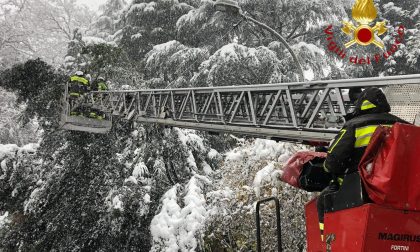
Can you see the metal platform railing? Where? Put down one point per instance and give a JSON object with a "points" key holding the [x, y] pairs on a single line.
{"points": [[309, 111], [78, 122]]}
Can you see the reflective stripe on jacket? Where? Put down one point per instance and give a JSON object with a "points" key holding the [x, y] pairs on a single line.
{"points": [[102, 86], [79, 79], [349, 145], [74, 94], [364, 134]]}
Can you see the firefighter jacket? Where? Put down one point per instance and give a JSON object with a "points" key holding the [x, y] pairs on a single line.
{"points": [[102, 86], [78, 85], [348, 147], [79, 80], [99, 86]]}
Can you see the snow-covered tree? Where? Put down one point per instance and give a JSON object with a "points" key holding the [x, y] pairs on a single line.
{"points": [[236, 64], [145, 186], [108, 25], [401, 17], [172, 64], [38, 28], [148, 23], [96, 57], [37, 86], [11, 129], [249, 173]]}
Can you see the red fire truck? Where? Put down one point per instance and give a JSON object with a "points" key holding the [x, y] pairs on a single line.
{"points": [[376, 208]]}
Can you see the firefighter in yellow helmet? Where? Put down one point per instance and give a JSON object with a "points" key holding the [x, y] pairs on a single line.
{"points": [[99, 85], [78, 86]]}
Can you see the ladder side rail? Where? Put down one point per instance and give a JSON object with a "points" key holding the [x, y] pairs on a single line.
{"points": [[344, 83], [304, 107]]}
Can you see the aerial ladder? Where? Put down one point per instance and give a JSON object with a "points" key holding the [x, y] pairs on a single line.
{"points": [[308, 112], [305, 112]]}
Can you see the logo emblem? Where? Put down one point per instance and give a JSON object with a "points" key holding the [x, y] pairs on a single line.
{"points": [[364, 12]]}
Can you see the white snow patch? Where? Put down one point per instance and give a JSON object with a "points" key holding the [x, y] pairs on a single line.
{"points": [[260, 149], [117, 35], [31, 204], [196, 140], [93, 40], [117, 204], [150, 7], [136, 36], [207, 168], [213, 154], [229, 51], [136, 7], [264, 176], [39, 182], [4, 220], [174, 228], [309, 48], [189, 137], [29, 148], [165, 47], [234, 156], [224, 197], [309, 74], [8, 150], [267, 148], [69, 59], [191, 161], [326, 70], [3, 165], [15, 192], [135, 134], [262, 153], [181, 136], [131, 179], [140, 169], [369, 168], [146, 198], [165, 224]]}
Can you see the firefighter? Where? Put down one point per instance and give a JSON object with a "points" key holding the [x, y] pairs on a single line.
{"points": [[78, 86], [98, 85], [346, 151]]}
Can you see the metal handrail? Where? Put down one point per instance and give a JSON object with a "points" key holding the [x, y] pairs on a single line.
{"points": [[278, 222]]}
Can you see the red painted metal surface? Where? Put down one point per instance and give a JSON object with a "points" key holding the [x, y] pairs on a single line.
{"points": [[392, 230], [313, 234], [369, 228], [348, 228]]}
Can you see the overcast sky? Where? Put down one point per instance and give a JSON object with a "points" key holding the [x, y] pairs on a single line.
{"points": [[93, 4]]}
